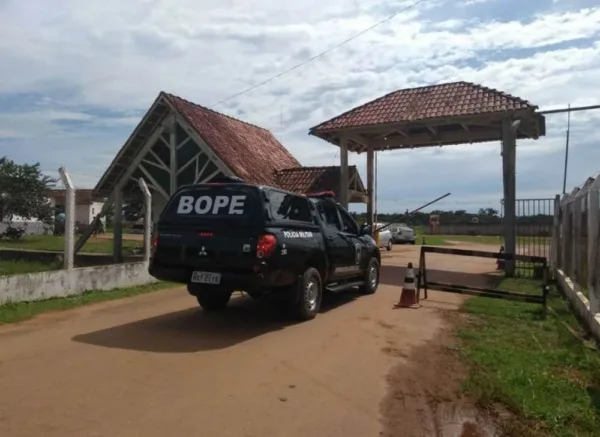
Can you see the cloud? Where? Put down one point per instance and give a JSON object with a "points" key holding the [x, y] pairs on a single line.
{"points": [[77, 76]]}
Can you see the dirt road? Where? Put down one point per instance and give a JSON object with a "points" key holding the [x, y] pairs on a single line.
{"points": [[156, 365]]}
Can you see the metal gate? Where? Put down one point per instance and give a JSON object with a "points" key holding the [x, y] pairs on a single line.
{"points": [[538, 264], [534, 232]]}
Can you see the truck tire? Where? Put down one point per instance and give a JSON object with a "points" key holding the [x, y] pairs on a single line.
{"points": [[371, 277], [309, 295], [389, 246], [213, 300]]}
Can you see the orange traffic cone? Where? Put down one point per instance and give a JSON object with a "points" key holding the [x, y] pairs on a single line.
{"points": [[408, 296]]}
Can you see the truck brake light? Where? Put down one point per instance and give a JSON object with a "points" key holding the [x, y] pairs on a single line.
{"points": [[154, 243], [265, 246]]}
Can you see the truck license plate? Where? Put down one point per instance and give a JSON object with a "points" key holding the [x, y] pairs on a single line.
{"points": [[206, 278]]}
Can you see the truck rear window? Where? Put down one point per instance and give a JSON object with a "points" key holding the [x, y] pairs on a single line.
{"points": [[286, 206], [220, 201]]}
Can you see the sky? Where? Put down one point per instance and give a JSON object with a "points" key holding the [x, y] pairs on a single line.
{"points": [[76, 77]]}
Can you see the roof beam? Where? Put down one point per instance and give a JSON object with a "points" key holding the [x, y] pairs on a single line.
{"points": [[149, 117], [153, 181], [438, 140], [203, 146], [357, 138]]}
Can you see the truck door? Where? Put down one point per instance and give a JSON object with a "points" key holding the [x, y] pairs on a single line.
{"points": [[336, 245], [355, 254], [343, 251]]}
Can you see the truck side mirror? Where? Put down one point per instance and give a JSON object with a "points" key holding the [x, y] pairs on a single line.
{"points": [[365, 229]]}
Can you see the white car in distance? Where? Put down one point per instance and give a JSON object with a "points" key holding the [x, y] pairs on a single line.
{"points": [[385, 236], [402, 233]]}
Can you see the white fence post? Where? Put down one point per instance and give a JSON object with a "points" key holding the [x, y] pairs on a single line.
{"points": [[577, 238], [593, 223], [564, 249], [573, 242], [147, 217], [69, 218], [555, 247]]}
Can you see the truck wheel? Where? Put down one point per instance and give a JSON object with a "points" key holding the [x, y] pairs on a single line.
{"points": [[389, 246], [371, 277], [310, 294], [213, 300]]}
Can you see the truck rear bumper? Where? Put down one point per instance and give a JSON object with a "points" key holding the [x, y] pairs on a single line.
{"points": [[264, 278]]}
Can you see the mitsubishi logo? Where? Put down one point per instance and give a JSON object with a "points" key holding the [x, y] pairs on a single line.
{"points": [[202, 252]]}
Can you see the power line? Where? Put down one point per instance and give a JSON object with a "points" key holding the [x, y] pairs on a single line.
{"points": [[320, 55]]}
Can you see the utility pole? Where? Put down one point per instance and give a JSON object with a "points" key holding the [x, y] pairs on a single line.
{"points": [[564, 190]]}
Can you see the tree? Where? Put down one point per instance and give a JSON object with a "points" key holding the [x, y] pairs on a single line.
{"points": [[133, 209], [24, 191], [491, 212], [488, 212]]}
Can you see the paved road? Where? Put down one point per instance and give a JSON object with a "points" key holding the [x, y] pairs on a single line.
{"points": [[156, 365]]}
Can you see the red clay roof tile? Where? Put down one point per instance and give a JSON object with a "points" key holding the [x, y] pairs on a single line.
{"points": [[251, 152], [435, 101], [306, 180]]}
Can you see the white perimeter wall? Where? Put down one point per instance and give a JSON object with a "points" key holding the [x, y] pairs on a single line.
{"points": [[61, 283]]}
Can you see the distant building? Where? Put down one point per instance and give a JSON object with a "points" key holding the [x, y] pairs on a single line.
{"points": [[87, 206]]}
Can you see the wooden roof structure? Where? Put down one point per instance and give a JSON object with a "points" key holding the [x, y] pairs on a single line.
{"points": [[249, 151], [436, 115]]}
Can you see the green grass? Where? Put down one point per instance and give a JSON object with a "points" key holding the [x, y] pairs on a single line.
{"points": [[430, 240], [19, 311], [433, 240], [482, 239], [57, 243], [20, 267], [497, 240], [534, 367]]}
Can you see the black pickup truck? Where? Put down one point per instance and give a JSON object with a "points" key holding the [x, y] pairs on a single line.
{"points": [[221, 237]]}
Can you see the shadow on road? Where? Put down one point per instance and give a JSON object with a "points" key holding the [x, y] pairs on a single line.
{"points": [[193, 330]]}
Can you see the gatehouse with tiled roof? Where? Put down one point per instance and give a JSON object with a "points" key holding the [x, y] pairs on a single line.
{"points": [[436, 115]]}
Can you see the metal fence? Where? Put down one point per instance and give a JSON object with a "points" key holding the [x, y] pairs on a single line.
{"points": [[534, 220], [576, 239]]}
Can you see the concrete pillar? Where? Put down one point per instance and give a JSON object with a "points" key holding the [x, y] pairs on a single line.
{"points": [[344, 182], [509, 153], [118, 226], [370, 185], [147, 218], [69, 254]]}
